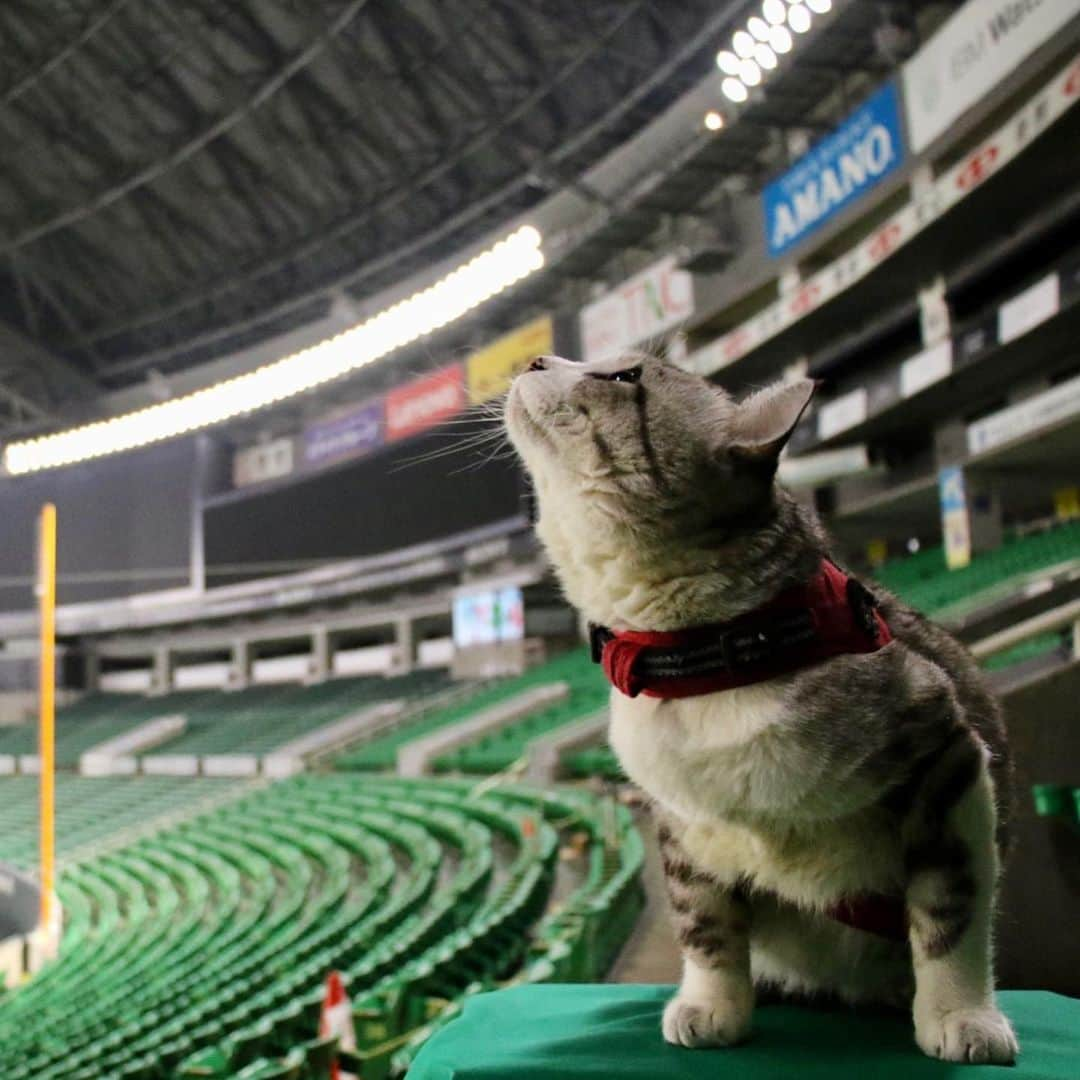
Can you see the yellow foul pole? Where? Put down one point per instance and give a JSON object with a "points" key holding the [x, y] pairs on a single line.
{"points": [[47, 703]]}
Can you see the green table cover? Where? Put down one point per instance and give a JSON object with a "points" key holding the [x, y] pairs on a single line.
{"points": [[589, 1032]]}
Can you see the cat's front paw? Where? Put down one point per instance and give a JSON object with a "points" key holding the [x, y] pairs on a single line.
{"points": [[980, 1036], [712, 1022]]}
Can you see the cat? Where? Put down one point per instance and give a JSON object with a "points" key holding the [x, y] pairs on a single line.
{"points": [[876, 773]]}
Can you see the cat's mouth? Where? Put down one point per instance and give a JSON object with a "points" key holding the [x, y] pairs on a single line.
{"points": [[521, 422]]}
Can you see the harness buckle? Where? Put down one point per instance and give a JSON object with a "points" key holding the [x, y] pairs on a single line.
{"points": [[750, 645], [863, 604], [599, 636]]}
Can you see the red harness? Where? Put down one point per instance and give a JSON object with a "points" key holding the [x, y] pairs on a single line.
{"points": [[831, 615]]}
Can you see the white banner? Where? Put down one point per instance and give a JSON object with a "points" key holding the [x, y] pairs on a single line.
{"points": [[660, 297], [262, 462], [984, 161], [1018, 421], [977, 48]]}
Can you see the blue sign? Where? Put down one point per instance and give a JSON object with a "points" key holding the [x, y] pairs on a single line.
{"points": [[866, 148], [345, 435]]}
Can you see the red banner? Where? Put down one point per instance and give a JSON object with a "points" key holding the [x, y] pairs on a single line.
{"points": [[425, 402]]}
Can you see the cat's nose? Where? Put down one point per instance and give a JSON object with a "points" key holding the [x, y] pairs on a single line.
{"points": [[538, 363]]}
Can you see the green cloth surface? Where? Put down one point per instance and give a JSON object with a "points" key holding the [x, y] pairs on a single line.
{"points": [[544, 1032]]}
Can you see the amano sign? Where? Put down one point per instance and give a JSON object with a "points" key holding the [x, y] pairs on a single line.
{"points": [[840, 169]]}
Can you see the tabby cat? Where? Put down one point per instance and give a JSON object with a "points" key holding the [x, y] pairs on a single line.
{"points": [[882, 773]]}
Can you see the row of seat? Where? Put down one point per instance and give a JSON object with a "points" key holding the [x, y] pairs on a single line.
{"points": [[202, 950], [95, 719], [924, 580], [380, 753], [91, 811]]}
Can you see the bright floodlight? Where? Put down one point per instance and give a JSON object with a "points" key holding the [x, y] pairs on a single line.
{"points": [[734, 90], [713, 120], [798, 18], [821, 7], [469, 285], [750, 73], [780, 40], [743, 43], [727, 62], [765, 58], [774, 11], [759, 28]]}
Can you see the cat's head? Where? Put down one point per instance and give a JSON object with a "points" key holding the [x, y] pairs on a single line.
{"points": [[647, 444]]}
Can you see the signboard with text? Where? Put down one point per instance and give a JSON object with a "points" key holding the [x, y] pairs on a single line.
{"points": [[978, 47], [650, 303], [491, 369], [344, 435], [835, 173], [425, 402]]}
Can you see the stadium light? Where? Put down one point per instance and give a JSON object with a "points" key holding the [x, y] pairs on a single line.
{"points": [[750, 73], [765, 58], [742, 41], [727, 62], [469, 285], [734, 90], [780, 39], [758, 27], [774, 11], [799, 18], [714, 121], [757, 47]]}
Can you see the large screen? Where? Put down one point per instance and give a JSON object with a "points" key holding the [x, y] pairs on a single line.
{"points": [[488, 617]]}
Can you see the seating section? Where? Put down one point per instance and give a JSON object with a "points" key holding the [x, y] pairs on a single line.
{"points": [[503, 748], [94, 719], [261, 718], [202, 950], [89, 812], [1057, 801], [380, 753], [924, 581]]}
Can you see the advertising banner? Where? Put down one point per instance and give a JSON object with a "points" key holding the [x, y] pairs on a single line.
{"points": [[955, 523], [424, 402], [262, 462], [978, 166], [491, 369], [981, 44], [835, 173], [649, 303], [344, 434]]}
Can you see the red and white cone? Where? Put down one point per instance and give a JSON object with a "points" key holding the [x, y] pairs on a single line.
{"points": [[336, 1019]]}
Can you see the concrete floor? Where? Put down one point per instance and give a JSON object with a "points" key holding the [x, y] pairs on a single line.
{"points": [[651, 955]]}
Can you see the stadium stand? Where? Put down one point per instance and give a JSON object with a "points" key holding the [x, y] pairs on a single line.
{"points": [[228, 921], [261, 718], [92, 720], [925, 581], [587, 693]]}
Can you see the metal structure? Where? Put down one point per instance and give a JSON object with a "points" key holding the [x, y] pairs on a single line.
{"points": [[171, 170], [182, 181]]}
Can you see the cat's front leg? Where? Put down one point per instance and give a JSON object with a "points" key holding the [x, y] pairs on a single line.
{"points": [[952, 875], [715, 1001]]}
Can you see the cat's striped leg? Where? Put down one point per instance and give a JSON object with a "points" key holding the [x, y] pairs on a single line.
{"points": [[952, 875], [716, 998]]}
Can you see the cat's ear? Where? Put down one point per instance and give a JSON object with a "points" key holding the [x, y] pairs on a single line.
{"points": [[764, 421]]}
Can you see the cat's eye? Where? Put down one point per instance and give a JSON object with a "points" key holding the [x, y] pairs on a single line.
{"points": [[627, 375]]}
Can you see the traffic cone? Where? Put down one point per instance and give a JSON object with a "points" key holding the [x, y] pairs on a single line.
{"points": [[336, 1019]]}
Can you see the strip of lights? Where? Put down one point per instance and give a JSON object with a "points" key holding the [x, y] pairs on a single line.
{"points": [[755, 50], [471, 284]]}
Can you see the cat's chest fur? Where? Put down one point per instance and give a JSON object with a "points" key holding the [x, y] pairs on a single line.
{"points": [[723, 763]]}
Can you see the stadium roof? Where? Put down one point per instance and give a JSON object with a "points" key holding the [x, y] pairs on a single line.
{"points": [[183, 181]]}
